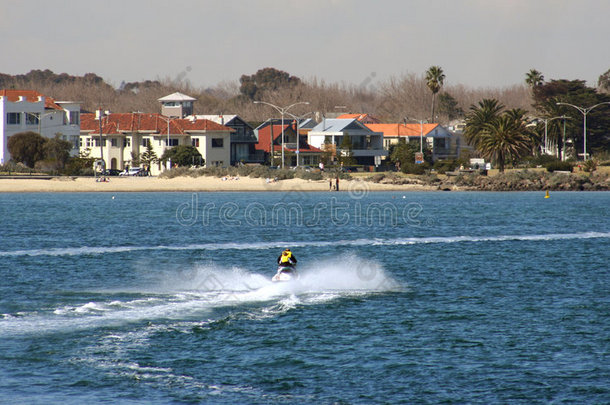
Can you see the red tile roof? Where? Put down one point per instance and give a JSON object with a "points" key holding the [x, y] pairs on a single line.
{"points": [[119, 123], [264, 139], [395, 130], [31, 96]]}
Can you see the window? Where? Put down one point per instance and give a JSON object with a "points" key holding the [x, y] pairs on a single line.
{"points": [[32, 118], [13, 118], [217, 142], [75, 117], [114, 142], [89, 143], [127, 142], [195, 142], [80, 142], [146, 142], [172, 142]]}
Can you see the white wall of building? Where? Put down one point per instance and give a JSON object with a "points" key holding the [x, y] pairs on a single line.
{"points": [[34, 117]]}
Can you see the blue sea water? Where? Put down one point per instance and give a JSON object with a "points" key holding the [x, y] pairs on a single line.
{"points": [[403, 298]]}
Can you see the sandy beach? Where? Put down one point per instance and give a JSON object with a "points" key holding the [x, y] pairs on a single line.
{"points": [[211, 184]]}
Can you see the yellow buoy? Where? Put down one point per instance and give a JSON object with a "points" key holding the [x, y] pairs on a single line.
{"points": [[547, 194]]}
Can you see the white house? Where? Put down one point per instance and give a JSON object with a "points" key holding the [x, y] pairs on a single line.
{"points": [[28, 110], [367, 145], [125, 136]]}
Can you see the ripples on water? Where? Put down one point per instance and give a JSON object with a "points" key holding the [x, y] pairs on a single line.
{"points": [[481, 297]]}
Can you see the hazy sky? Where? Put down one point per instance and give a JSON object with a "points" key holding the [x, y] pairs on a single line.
{"points": [[478, 43]]}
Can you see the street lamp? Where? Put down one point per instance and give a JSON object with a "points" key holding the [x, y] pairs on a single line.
{"points": [[167, 143], [584, 111], [546, 121], [421, 132], [281, 110], [297, 127]]}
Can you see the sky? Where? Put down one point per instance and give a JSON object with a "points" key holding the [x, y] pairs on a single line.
{"points": [[478, 43]]}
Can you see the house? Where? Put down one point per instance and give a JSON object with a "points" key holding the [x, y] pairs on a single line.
{"points": [[364, 118], [125, 136], [442, 142], [367, 145], [177, 105], [243, 139], [28, 110], [306, 154]]}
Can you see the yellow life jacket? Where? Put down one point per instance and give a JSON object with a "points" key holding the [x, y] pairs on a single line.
{"points": [[286, 257]]}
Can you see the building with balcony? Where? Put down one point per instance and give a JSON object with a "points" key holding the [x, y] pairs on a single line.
{"points": [[270, 142], [28, 110], [125, 137], [367, 145], [243, 138]]}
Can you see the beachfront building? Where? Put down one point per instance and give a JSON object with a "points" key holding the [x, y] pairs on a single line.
{"points": [[126, 136], [442, 142], [367, 145], [28, 110], [243, 138], [306, 154]]}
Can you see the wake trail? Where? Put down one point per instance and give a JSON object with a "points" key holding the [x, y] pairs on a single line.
{"points": [[195, 294], [95, 250]]}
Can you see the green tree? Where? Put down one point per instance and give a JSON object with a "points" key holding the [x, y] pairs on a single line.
{"points": [[577, 93], [58, 150], [503, 140], [267, 79], [182, 155], [448, 105], [534, 78], [149, 156], [434, 80], [603, 83], [478, 117], [26, 147], [80, 165]]}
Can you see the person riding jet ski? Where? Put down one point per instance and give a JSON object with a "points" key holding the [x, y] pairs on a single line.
{"points": [[286, 270], [287, 259]]}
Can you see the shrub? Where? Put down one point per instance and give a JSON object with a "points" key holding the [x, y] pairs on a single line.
{"points": [[590, 165], [412, 168], [558, 165], [443, 166], [309, 175]]}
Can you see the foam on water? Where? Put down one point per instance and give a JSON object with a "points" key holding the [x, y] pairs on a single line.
{"points": [[101, 250], [194, 293]]}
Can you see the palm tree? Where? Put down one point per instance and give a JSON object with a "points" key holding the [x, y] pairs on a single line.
{"points": [[504, 139], [534, 78], [434, 80], [478, 117]]}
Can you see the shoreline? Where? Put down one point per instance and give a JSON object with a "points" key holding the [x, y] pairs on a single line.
{"points": [[516, 181], [190, 184]]}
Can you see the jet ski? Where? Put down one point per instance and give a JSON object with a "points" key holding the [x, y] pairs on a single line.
{"points": [[285, 273]]}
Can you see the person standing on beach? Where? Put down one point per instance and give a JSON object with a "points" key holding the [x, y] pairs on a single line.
{"points": [[330, 184], [337, 187]]}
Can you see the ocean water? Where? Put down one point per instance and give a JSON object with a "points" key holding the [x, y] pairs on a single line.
{"points": [[403, 298]]}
